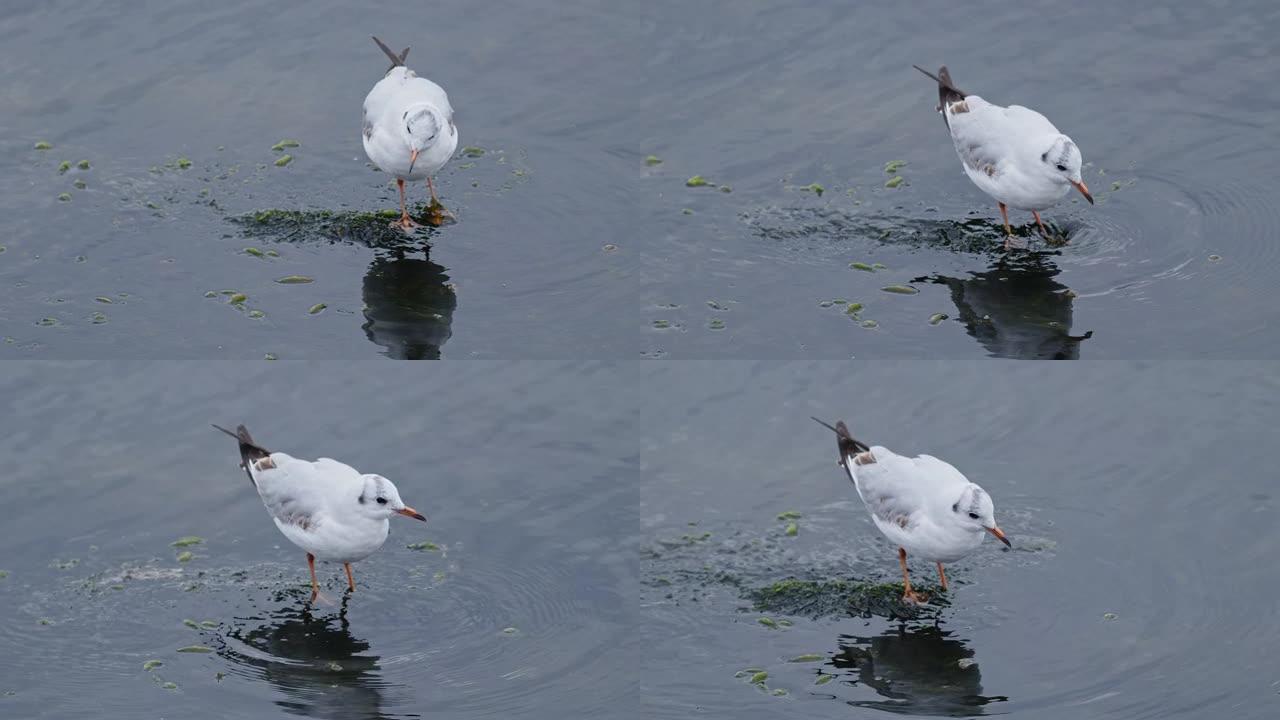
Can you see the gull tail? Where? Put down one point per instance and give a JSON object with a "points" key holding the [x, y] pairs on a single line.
{"points": [[947, 91], [396, 60], [249, 450], [848, 446]]}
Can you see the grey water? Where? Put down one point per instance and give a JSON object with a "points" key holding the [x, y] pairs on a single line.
{"points": [[509, 611], [571, 243], [1140, 500]]}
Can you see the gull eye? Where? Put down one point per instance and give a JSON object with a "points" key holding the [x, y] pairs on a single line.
{"points": [[383, 501], [971, 515], [1062, 168]]}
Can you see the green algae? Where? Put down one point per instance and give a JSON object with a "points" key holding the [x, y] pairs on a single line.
{"points": [[64, 197], [79, 184], [170, 686], [185, 556], [865, 267], [295, 280], [894, 166], [254, 252], [808, 658], [937, 318], [696, 181], [814, 188], [823, 598], [653, 160], [187, 541], [182, 163], [429, 546], [195, 649], [64, 166], [768, 622], [83, 165], [824, 679], [900, 289], [316, 309], [367, 227], [43, 145], [789, 515], [473, 151], [853, 308], [151, 664], [191, 624], [284, 160], [759, 677], [792, 530], [894, 181], [280, 146]]}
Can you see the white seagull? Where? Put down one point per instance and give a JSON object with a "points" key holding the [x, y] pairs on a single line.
{"points": [[324, 507], [409, 131], [921, 504], [1014, 154]]}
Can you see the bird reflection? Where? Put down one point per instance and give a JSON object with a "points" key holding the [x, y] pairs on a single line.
{"points": [[408, 304], [1017, 309], [917, 670], [315, 663]]}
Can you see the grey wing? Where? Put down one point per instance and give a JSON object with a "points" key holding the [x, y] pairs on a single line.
{"points": [[888, 487], [981, 133], [287, 487]]}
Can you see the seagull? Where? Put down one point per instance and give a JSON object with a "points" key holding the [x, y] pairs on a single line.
{"points": [[1014, 154], [324, 507], [409, 131], [921, 504]]}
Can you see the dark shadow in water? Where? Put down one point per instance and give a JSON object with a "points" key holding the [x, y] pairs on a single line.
{"points": [[408, 304], [313, 661], [917, 670], [1017, 309]]}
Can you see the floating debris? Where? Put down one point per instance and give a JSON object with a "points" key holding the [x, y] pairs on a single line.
{"points": [[79, 184], [1109, 616], [187, 541], [610, 247], [716, 324], [661, 324], [900, 289], [43, 145], [1215, 258], [894, 181], [333, 666], [870, 324], [170, 686], [284, 160], [64, 197], [295, 280], [811, 657], [966, 663], [696, 181], [256, 314], [653, 160], [270, 356], [937, 318], [779, 692]]}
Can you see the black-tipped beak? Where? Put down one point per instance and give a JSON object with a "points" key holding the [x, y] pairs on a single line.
{"points": [[824, 424], [1000, 536], [1084, 190], [410, 512], [413, 158]]}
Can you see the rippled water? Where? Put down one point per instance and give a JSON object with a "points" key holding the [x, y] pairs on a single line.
{"points": [[569, 237], [514, 613], [1137, 585]]}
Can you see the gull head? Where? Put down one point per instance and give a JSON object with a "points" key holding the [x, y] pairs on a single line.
{"points": [[422, 125], [379, 500], [1062, 162], [975, 512]]}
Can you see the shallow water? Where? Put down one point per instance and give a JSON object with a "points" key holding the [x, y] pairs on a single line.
{"points": [[513, 613], [570, 244], [1137, 585]]}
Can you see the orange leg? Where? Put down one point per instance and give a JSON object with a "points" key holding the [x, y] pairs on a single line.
{"points": [[439, 215], [405, 222], [351, 582], [1008, 231], [1040, 222], [315, 586], [907, 595], [942, 576]]}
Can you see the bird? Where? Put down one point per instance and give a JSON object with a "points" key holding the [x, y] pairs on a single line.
{"points": [[409, 131], [1014, 154], [921, 504], [325, 507]]}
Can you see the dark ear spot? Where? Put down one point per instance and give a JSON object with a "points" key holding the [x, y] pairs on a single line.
{"points": [[1045, 156], [360, 499], [954, 508]]}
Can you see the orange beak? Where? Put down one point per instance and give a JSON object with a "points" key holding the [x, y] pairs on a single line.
{"points": [[410, 512], [413, 158], [1084, 190], [1000, 535]]}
